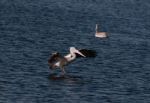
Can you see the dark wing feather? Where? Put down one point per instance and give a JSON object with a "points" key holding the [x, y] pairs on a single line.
{"points": [[53, 59], [87, 53]]}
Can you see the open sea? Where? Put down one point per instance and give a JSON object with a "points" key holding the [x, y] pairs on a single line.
{"points": [[30, 30]]}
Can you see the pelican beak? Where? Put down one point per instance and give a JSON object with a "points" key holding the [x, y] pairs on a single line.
{"points": [[80, 53]]}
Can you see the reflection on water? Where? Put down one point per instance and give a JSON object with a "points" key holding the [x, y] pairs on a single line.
{"points": [[66, 78]]}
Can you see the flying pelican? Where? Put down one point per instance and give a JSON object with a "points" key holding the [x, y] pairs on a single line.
{"points": [[100, 34], [59, 61]]}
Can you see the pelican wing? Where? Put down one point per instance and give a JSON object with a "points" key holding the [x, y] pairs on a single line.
{"points": [[87, 53], [54, 59]]}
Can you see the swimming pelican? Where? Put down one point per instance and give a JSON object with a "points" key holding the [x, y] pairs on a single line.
{"points": [[59, 61], [100, 34]]}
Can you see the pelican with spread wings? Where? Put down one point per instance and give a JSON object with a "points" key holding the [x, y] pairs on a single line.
{"points": [[59, 61]]}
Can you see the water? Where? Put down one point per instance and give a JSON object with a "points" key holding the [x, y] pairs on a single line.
{"points": [[30, 30]]}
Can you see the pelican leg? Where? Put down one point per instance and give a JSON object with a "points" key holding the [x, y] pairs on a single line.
{"points": [[63, 70]]}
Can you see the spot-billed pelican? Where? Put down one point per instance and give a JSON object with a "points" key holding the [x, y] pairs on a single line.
{"points": [[59, 61], [100, 34]]}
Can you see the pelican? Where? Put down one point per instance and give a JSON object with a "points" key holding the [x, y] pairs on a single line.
{"points": [[59, 61], [100, 34]]}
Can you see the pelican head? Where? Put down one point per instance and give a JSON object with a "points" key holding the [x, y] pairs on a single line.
{"points": [[73, 50]]}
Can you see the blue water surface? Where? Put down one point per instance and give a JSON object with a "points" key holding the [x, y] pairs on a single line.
{"points": [[30, 30]]}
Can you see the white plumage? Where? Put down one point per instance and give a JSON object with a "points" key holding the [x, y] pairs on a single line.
{"points": [[100, 34]]}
